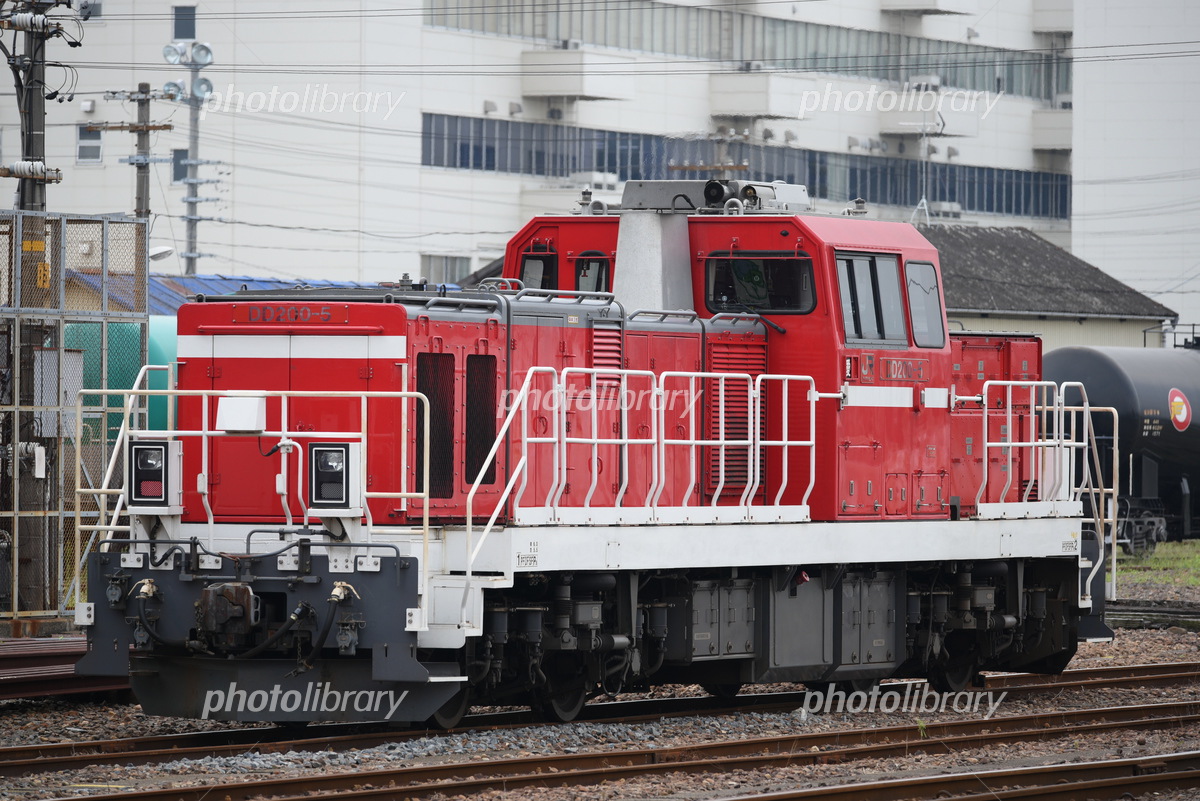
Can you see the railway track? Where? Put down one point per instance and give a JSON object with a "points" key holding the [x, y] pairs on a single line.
{"points": [[716, 757], [1152, 615], [32, 668], [19, 760], [1105, 779]]}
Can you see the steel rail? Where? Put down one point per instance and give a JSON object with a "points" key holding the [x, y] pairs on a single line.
{"points": [[16, 759], [33, 668], [754, 754], [1122, 778]]}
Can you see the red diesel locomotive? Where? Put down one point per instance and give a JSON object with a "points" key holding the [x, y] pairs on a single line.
{"points": [[700, 438]]}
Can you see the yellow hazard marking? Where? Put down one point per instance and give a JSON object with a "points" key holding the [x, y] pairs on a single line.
{"points": [[34, 245], [43, 275]]}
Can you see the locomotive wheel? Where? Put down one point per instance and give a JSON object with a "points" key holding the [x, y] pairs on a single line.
{"points": [[565, 692], [954, 674], [563, 705], [723, 691], [452, 712]]}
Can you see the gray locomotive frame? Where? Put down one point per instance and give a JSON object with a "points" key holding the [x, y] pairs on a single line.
{"points": [[152, 610]]}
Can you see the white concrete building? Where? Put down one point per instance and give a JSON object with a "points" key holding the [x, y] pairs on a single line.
{"points": [[361, 141], [1136, 161]]}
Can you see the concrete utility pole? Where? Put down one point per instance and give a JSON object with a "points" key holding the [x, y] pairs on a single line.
{"points": [[33, 148], [195, 58], [142, 128], [142, 193], [37, 278], [29, 70], [193, 175]]}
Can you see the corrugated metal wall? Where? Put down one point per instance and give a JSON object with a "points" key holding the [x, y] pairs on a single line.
{"points": [[1060, 333]]}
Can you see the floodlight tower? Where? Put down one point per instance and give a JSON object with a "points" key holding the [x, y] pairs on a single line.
{"points": [[199, 90]]}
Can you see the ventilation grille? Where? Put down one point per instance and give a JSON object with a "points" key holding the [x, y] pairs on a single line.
{"points": [[607, 352], [734, 414]]}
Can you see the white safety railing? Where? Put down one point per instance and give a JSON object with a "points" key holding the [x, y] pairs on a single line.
{"points": [[100, 494], [554, 393], [286, 434], [1063, 458]]}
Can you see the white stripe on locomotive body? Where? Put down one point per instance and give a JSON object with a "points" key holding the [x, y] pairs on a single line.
{"points": [[895, 397], [904, 542], [308, 346], [878, 397], [520, 549], [935, 398]]}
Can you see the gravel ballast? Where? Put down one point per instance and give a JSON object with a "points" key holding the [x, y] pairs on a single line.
{"points": [[48, 720]]}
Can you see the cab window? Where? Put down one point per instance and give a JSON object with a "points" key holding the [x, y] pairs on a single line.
{"points": [[539, 268], [759, 281], [924, 305], [872, 306], [591, 272]]}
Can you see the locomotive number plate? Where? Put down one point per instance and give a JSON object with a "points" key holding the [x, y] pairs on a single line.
{"points": [[331, 313]]}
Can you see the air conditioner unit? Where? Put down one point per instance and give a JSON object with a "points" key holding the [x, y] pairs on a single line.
{"points": [[1063, 101], [571, 44], [554, 114]]}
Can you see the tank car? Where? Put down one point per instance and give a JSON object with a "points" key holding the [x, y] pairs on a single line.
{"points": [[1157, 444], [703, 438]]}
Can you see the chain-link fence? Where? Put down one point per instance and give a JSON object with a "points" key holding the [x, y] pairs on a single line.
{"points": [[73, 316]]}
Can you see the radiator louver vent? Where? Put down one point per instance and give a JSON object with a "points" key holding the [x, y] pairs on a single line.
{"points": [[728, 357]]}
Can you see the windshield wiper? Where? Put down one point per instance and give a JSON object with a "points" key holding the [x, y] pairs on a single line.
{"points": [[771, 323]]}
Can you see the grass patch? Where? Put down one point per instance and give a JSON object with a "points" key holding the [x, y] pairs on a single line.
{"points": [[1172, 563]]}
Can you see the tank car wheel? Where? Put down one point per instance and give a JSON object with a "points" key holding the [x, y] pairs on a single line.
{"points": [[725, 692], [953, 675], [452, 712]]}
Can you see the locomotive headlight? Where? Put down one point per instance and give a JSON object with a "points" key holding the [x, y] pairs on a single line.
{"points": [[153, 473], [330, 461], [329, 481], [150, 458]]}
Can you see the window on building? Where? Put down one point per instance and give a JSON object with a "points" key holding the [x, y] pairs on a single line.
{"points": [[761, 282], [550, 150], [924, 305], [872, 306], [722, 34], [184, 20], [438, 269], [87, 146], [179, 170]]}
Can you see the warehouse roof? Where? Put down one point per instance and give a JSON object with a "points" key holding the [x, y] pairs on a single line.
{"points": [[1015, 271]]}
